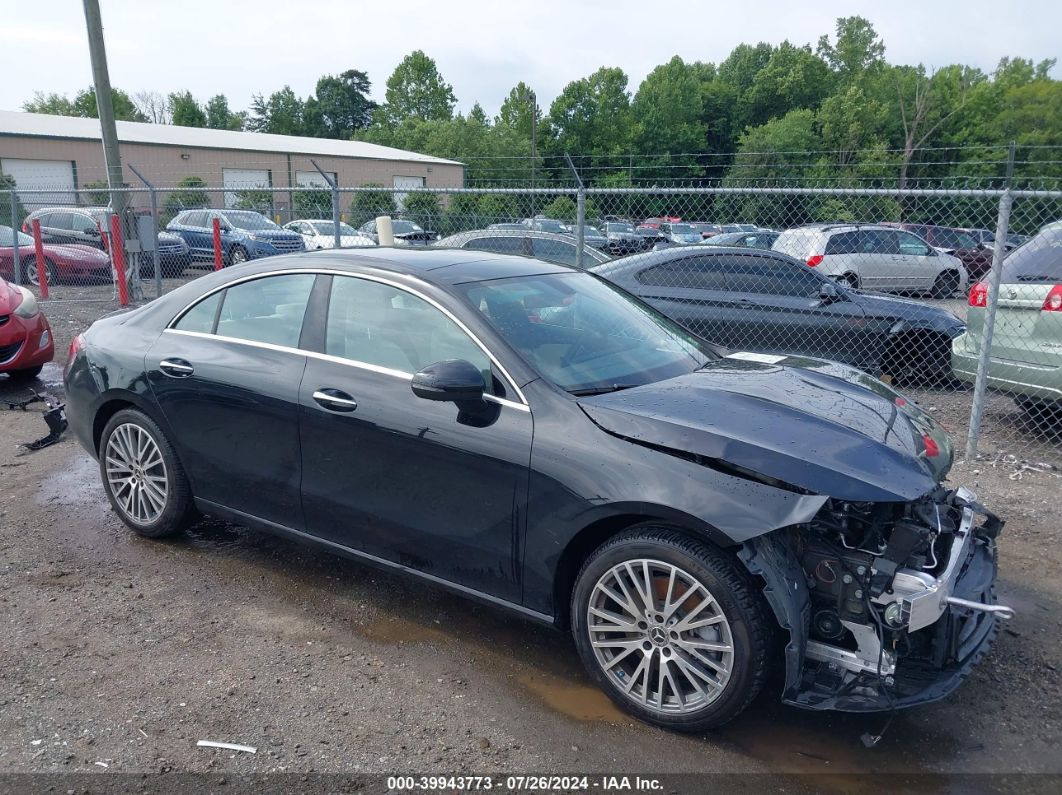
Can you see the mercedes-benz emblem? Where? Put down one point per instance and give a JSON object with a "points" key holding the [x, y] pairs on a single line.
{"points": [[658, 636]]}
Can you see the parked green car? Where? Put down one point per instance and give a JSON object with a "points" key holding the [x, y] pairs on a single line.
{"points": [[1026, 355]]}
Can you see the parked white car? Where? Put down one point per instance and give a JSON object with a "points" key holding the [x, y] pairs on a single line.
{"points": [[875, 258], [317, 234]]}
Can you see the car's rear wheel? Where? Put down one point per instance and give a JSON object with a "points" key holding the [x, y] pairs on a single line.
{"points": [[946, 284], [671, 629], [31, 272], [143, 479], [849, 280], [238, 255]]}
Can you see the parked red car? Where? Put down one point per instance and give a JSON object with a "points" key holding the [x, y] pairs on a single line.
{"points": [[65, 263], [25, 336]]}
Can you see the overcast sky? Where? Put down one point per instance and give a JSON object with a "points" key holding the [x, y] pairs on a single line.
{"points": [[242, 47]]}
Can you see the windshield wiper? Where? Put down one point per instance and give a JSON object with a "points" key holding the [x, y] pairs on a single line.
{"points": [[601, 390]]}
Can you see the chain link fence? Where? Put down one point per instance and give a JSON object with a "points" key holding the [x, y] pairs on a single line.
{"points": [[952, 295]]}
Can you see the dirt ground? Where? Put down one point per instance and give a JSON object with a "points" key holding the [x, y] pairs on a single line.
{"points": [[118, 654]]}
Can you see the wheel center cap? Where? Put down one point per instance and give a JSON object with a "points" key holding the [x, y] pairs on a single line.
{"points": [[658, 636]]}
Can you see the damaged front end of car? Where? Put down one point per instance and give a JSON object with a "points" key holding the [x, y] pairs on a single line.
{"points": [[887, 605]]}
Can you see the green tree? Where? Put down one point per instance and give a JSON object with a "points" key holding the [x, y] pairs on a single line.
{"points": [[368, 204], [220, 117], [423, 209], [562, 208], [312, 203], [851, 121], [185, 111], [416, 90], [344, 104], [281, 113], [857, 48], [518, 109], [257, 199], [590, 118], [189, 193], [745, 61], [97, 192], [668, 122], [84, 105], [793, 77], [8, 195]]}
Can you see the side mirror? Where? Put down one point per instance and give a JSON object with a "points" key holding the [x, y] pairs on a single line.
{"points": [[829, 294], [452, 380]]}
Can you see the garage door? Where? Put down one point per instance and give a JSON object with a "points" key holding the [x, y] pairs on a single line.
{"points": [[403, 183], [49, 175], [243, 180], [312, 179]]}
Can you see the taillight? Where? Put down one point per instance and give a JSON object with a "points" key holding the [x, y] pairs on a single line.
{"points": [[978, 295], [814, 260], [1053, 302], [75, 347], [932, 451], [25, 227]]}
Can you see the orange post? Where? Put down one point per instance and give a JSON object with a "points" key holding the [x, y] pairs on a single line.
{"points": [[42, 263], [218, 260], [118, 258]]}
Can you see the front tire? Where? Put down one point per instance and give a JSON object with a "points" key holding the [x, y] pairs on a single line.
{"points": [[31, 274], [144, 481], [671, 628], [238, 255], [945, 285]]}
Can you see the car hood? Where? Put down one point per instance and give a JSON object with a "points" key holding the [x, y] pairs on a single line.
{"points": [[818, 426], [272, 234], [72, 252]]}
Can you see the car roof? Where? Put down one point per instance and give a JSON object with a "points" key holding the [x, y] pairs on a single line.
{"points": [[847, 226], [444, 266], [649, 258]]}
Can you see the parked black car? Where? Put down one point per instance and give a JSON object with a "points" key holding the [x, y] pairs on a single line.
{"points": [[406, 233], [82, 225], [539, 439], [765, 301], [546, 246], [623, 239]]}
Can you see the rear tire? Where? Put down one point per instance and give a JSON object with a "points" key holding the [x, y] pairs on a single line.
{"points": [[849, 280], [946, 284], [697, 656], [144, 481], [30, 274]]}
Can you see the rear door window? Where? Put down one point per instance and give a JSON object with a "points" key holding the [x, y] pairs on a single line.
{"points": [[556, 251], [765, 276], [267, 310], [694, 273]]}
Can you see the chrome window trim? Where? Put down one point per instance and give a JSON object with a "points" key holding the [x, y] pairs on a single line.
{"points": [[522, 403]]}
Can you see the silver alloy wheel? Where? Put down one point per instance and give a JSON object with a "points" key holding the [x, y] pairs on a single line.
{"points": [[136, 473], [237, 256], [660, 636], [34, 277]]}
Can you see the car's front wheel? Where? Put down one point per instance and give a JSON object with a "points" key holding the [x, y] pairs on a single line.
{"points": [[238, 255], [144, 481], [671, 628], [946, 284]]}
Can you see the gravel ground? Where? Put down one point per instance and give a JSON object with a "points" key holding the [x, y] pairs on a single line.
{"points": [[122, 652]]}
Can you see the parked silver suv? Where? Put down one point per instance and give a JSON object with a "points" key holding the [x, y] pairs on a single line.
{"points": [[875, 258]]}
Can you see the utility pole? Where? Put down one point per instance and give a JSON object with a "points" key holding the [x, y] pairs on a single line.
{"points": [[534, 136], [102, 81]]}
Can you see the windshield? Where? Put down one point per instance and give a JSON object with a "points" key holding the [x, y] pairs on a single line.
{"points": [[620, 228], [7, 238], [584, 334], [950, 238], [328, 229], [683, 229], [404, 227], [1039, 260], [246, 219], [727, 239], [592, 230]]}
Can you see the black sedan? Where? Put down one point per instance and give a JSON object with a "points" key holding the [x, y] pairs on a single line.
{"points": [[534, 437], [769, 302]]}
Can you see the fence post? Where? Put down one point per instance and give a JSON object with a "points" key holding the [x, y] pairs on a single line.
{"points": [[153, 197], [118, 259], [995, 275], [17, 257], [335, 204], [42, 263], [218, 260], [580, 213]]}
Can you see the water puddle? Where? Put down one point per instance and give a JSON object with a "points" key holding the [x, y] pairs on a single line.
{"points": [[76, 486], [394, 631], [583, 702]]}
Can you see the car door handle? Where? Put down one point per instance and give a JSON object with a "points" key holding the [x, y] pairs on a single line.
{"points": [[176, 368], [335, 399]]}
